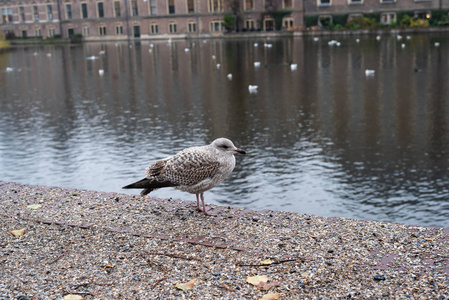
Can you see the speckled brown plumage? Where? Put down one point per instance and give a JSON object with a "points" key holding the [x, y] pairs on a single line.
{"points": [[193, 170]]}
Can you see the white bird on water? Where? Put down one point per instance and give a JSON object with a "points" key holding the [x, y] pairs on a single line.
{"points": [[101, 72], [252, 89], [230, 76], [193, 170], [293, 67], [369, 72]]}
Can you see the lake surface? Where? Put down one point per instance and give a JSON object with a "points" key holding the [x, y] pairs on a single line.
{"points": [[324, 139]]}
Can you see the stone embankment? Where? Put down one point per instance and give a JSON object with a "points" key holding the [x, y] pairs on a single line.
{"points": [[56, 242]]}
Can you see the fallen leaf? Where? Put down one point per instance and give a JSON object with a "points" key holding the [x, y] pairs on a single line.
{"points": [[18, 232], [73, 297], [271, 296], [186, 286], [267, 262], [267, 286], [109, 266], [256, 280], [428, 239], [34, 206]]}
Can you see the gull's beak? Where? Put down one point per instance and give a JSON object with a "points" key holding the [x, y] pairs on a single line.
{"points": [[240, 151]]}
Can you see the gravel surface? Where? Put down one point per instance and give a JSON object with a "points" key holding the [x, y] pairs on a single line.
{"points": [[115, 246]]}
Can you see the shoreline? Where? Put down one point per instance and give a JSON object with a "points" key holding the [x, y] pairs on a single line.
{"points": [[242, 35], [108, 245]]}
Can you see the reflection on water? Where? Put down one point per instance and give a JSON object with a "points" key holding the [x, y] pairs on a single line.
{"points": [[324, 139]]}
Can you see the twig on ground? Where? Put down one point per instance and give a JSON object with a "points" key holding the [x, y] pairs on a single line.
{"points": [[264, 265], [56, 259], [157, 282]]}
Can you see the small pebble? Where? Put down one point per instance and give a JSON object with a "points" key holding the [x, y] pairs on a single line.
{"points": [[379, 277]]}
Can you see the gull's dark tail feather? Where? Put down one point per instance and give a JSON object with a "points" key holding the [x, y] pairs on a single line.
{"points": [[148, 185]]}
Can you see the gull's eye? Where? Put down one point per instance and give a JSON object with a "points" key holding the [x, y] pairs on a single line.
{"points": [[225, 147]]}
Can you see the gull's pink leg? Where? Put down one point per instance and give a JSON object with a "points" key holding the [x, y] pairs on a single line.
{"points": [[204, 207], [198, 202]]}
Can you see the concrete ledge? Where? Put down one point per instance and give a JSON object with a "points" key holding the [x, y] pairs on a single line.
{"points": [[109, 245]]}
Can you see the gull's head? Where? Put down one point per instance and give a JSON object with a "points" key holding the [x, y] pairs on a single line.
{"points": [[224, 145]]}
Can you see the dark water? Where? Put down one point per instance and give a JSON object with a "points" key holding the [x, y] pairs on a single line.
{"points": [[324, 139]]}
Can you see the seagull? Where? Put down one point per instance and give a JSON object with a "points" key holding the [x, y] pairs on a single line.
{"points": [[293, 67], [230, 76], [193, 170], [369, 72], [101, 72], [257, 64], [252, 89]]}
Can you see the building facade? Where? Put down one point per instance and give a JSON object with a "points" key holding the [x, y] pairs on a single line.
{"points": [[140, 19], [388, 9]]}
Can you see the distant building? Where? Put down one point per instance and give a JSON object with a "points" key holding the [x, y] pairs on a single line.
{"points": [[145, 19], [388, 9]]}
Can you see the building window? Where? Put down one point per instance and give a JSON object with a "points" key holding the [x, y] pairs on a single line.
{"points": [[117, 10], [86, 31], [324, 2], [288, 23], [171, 6], [249, 25], [49, 12], [190, 6], [422, 15], [70, 32], [68, 11], [22, 13], [9, 10], [100, 9], [387, 18], [134, 8], [192, 27], [288, 3], [102, 30], [7, 15], [216, 26], [214, 5], [268, 24], [24, 34], [153, 10], [154, 29], [4, 16], [84, 13], [37, 32], [51, 32], [172, 28], [118, 29], [355, 1], [36, 13], [387, 1], [249, 4]]}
